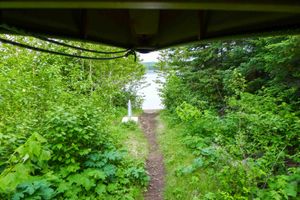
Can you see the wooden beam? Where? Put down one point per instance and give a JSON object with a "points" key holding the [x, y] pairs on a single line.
{"points": [[144, 22], [83, 27], [290, 6], [203, 19]]}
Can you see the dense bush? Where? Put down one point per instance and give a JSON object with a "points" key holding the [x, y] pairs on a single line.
{"points": [[239, 102], [56, 115]]}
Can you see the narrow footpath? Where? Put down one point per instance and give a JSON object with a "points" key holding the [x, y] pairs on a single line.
{"points": [[154, 164]]}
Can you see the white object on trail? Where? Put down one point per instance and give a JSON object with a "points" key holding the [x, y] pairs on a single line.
{"points": [[129, 117]]}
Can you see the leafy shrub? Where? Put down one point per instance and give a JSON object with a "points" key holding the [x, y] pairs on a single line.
{"points": [[34, 190], [28, 160], [78, 167], [56, 113], [172, 95], [74, 132], [238, 102]]}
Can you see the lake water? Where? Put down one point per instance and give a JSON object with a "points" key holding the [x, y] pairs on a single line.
{"points": [[152, 100]]}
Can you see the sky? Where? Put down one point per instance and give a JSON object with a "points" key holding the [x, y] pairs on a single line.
{"points": [[149, 57]]}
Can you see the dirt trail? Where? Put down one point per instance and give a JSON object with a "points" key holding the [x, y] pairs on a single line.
{"points": [[154, 164]]}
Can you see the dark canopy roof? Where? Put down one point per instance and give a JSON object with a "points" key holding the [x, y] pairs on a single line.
{"points": [[148, 25]]}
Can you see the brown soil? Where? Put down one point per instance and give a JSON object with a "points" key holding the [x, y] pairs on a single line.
{"points": [[154, 164]]}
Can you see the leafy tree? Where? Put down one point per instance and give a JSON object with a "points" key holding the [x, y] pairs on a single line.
{"points": [[56, 115], [238, 101]]}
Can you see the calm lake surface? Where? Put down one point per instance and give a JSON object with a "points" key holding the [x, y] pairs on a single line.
{"points": [[150, 93]]}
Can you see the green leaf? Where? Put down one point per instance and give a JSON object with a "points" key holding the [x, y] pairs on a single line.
{"points": [[96, 174], [100, 189]]}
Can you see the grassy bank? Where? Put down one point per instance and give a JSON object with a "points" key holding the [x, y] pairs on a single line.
{"points": [[132, 140], [183, 181]]}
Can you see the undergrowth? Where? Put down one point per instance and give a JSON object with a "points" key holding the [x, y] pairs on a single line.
{"points": [[74, 157], [58, 133], [182, 180], [234, 106]]}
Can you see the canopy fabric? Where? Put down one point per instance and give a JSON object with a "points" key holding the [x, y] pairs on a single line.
{"points": [[148, 25]]}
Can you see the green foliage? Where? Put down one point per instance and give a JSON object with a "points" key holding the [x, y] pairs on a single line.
{"points": [[120, 99], [130, 125], [172, 91], [57, 115], [74, 132], [34, 190], [238, 103], [30, 158], [187, 112]]}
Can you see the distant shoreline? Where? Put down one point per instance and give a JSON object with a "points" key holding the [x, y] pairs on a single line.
{"points": [[149, 65]]}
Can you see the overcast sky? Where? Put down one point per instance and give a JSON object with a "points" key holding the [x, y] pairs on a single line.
{"points": [[149, 57]]}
